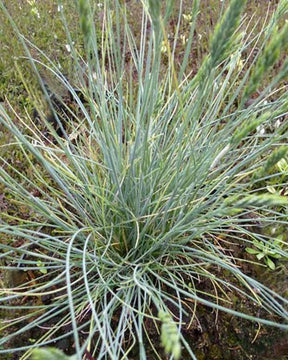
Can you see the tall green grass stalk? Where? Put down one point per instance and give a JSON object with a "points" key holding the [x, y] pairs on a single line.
{"points": [[151, 184]]}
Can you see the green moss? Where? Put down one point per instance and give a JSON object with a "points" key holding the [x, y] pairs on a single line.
{"points": [[215, 352]]}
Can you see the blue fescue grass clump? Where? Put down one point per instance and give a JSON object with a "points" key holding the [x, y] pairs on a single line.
{"points": [[154, 177]]}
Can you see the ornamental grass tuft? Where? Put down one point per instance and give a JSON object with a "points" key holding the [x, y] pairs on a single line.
{"points": [[152, 180]]}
